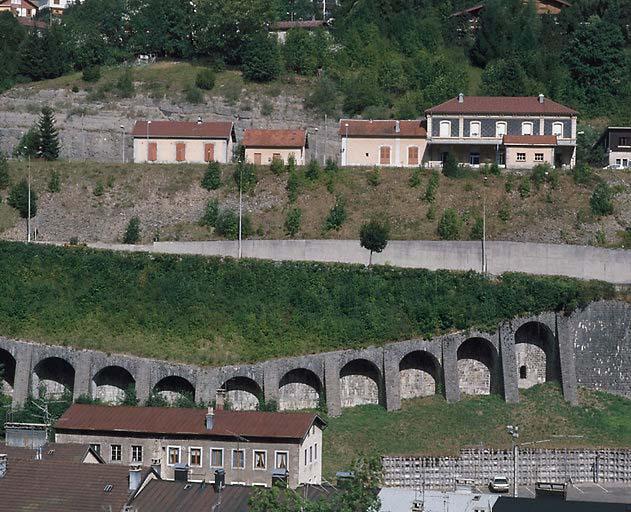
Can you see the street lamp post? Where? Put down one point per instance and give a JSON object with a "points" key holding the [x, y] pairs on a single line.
{"points": [[346, 144], [123, 143], [316, 144], [484, 266], [240, 164], [513, 431], [28, 217], [148, 124]]}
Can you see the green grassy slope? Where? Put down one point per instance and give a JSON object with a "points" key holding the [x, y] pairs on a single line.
{"points": [[209, 311], [430, 426]]}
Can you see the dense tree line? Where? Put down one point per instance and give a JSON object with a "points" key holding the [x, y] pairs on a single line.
{"points": [[381, 57]]}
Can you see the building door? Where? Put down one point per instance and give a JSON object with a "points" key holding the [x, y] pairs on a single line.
{"points": [[209, 152], [180, 151], [257, 158], [413, 155], [384, 155], [152, 152]]}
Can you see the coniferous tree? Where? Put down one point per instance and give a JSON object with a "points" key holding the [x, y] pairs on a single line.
{"points": [[4, 171], [48, 135]]}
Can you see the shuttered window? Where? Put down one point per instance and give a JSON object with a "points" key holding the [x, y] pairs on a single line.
{"points": [[257, 158], [413, 155], [209, 152], [152, 152], [180, 151], [384, 155]]}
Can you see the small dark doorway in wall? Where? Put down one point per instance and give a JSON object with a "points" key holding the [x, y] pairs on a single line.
{"points": [[523, 372]]}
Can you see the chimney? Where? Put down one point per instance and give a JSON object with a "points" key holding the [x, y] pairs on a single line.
{"points": [[220, 399], [397, 127], [156, 465], [461, 98], [3, 464], [220, 480], [541, 98], [199, 119], [210, 418], [135, 477]]}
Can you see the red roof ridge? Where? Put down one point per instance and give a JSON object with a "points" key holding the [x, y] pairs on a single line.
{"points": [[383, 127], [510, 105], [184, 129], [275, 138]]}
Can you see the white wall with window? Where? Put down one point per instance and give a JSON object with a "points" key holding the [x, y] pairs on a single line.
{"points": [[445, 129], [310, 460], [501, 129], [526, 128], [557, 129]]}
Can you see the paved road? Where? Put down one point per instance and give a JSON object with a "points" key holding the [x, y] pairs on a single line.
{"points": [[604, 493]]}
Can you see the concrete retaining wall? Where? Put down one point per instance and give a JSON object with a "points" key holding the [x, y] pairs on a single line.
{"points": [[582, 262]]}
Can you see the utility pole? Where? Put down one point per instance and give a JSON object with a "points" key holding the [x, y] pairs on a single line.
{"points": [[316, 144], [148, 123], [513, 431], [240, 164], [484, 266], [326, 138], [123, 143], [28, 219]]}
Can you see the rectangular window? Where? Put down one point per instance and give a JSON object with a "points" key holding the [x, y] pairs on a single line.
{"points": [[305, 456], [180, 151], [538, 157], [152, 151], [282, 460], [136, 453], [216, 458], [474, 158], [445, 129], [625, 162], [526, 128], [315, 452], [624, 141], [209, 152], [116, 453], [474, 129], [500, 129], [174, 453], [260, 459], [557, 129], [412, 155], [238, 459], [384, 155], [310, 454], [96, 448], [521, 157], [195, 457], [618, 163]]}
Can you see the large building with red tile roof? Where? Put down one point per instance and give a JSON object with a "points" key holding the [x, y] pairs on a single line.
{"points": [[250, 446], [263, 146]]}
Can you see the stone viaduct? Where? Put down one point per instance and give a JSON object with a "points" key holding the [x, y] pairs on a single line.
{"points": [[590, 347]]}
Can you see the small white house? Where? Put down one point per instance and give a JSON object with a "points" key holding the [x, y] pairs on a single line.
{"points": [[168, 142]]}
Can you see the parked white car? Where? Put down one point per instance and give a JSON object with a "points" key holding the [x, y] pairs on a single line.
{"points": [[499, 484]]}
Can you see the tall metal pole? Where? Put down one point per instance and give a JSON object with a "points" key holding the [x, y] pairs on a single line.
{"points": [[240, 204], [346, 145], [28, 220], [326, 138], [484, 267], [123, 143], [316, 144]]}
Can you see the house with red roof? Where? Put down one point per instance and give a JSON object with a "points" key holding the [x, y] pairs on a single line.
{"points": [[263, 146], [515, 132], [245, 447], [169, 142], [19, 8]]}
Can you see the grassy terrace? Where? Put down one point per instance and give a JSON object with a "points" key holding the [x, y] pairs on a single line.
{"points": [[430, 426], [213, 311]]}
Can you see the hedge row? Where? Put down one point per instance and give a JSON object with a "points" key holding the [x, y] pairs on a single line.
{"points": [[215, 311]]}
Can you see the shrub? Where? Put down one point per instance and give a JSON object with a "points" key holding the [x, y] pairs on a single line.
{"points": [[227, 224], [524, 187], [18, 199], [374, 177], [324, 97], [291, 163], [313, 170], [504, 212], [132, 232], [553, 179], [98, 189], [5, 180], [293, 186], [293, 220], [54, 183], [415, 177], [432, 186], [601, 201], [508, 186], [91, 74], [125, 85], [75, 88], [374, 236], [431, 212], [331, 165], [267, 108], [450, 225], [540, 174], [477, 230], [193, 94], [337, 215], [451, 169], [277, 166], [212, 176], [244, 176], [494, 169], [205, 79], [211, 212], [582, 174], [28, 145]]}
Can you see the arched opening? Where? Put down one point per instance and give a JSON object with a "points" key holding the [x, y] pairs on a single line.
{"points": [[52, 376], [175, 390], [536, 350], [299, 389], [110, 384], [7, 373], [477, 367], [360, 383], [419, 373], [243, 393]]}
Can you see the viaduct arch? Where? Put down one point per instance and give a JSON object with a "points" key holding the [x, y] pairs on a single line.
{"points": [[520, 353]]}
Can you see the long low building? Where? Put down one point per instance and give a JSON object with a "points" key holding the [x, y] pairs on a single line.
{"points": [[183, 141], [263, 146]]}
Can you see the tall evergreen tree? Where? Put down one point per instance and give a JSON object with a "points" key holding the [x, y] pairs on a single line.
{"points": [[48, 135]]}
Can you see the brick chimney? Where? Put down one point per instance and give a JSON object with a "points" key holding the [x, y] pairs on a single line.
{"points": [[220, 399], [3, 464], [541, 98]]}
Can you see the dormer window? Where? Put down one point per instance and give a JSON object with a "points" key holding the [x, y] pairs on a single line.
{"points": [[474, 129], [445, 129], [557, 129], [500, 129], [526, 128]]}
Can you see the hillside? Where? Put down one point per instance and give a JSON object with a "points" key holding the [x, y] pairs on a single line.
{"points": [[96, 201], [212, 311]]}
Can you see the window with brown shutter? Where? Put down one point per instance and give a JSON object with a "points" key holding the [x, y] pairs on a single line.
{"points": [[152, 150], [384, 155], [209, 152], [180, 151], [413, 155], [257, 158]]}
